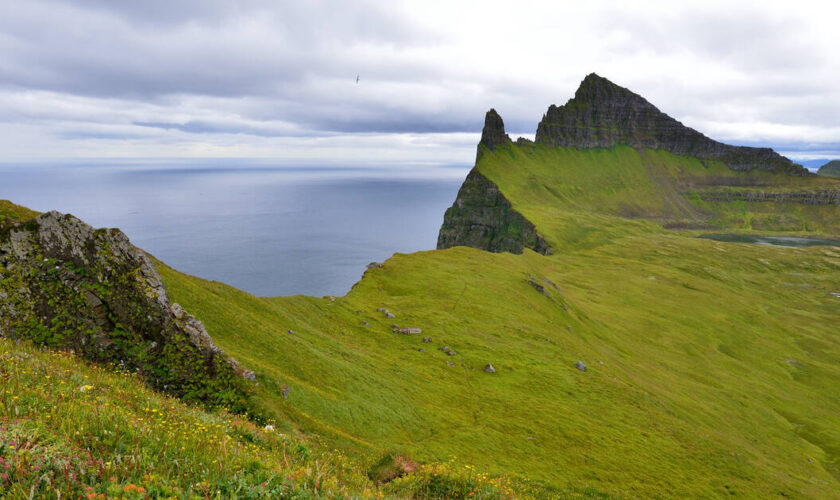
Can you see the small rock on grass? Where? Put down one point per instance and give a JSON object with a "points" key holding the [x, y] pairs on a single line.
{"points": [[580, 365], [489, 368]]}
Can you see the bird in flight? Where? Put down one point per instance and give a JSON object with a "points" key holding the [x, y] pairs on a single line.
{"points": [[357, 78]]}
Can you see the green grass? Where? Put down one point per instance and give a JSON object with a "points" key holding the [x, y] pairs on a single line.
{"points": [[15, 212], [85, 430], [718, 374], [73, 430], [712, 367]]}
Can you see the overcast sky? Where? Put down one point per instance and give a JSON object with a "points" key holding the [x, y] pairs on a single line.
{"points": [[276, 79]]}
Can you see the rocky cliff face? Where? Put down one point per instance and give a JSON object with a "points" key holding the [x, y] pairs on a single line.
{"points": [[481, 216], [830, 169], [603, 115], [802, 197], [493, 134], [68, 286]]}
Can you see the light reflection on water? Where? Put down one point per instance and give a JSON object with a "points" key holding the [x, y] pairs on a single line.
{"points": [[269, 231]]}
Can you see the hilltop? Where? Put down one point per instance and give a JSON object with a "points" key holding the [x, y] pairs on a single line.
{"points": [[630, 358], [830, 169]]}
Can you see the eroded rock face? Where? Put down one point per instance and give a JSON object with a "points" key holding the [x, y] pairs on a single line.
{"points": [[603, 115], [69, 286], [493, 134], [483, 218], [802, 197]]}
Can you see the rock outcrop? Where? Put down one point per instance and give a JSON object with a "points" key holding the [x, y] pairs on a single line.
{"points": [[493, 134], [603, 115], [483, 218], [801, 197], [67, 285], [830, 169]]}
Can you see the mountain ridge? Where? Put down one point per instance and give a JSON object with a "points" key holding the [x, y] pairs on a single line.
{"points": [[602, 118], [603, 115]]}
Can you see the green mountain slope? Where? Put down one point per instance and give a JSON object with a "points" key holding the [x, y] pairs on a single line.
{"points": [[711, 367], [719, 362], [830, 169]]}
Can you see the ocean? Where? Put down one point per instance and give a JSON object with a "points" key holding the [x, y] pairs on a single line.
{"points": [[269, 230]]}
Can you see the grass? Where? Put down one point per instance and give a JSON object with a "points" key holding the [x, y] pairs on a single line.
{"points": [[15, 212], [88, 431], [711, 365], [73, 430]]}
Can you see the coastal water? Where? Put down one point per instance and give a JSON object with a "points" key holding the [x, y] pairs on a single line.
{"points": [[264, 229]]}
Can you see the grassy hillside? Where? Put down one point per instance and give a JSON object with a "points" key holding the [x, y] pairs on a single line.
{"points": [[574, 197], [86, 431], [15, 212], [711, 367], [72, 430]]}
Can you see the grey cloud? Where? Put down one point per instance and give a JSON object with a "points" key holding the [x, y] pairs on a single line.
{"points": [[269, 69]]}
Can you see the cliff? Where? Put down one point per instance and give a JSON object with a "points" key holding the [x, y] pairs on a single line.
{"points": [[830, 169], [65, 285], [481, 216], [603, 115]]}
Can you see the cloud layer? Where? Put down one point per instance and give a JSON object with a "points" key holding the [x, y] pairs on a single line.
{"points": [[261, 78]]}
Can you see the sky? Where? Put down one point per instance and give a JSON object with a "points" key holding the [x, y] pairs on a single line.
{"points": [[276, 80]]}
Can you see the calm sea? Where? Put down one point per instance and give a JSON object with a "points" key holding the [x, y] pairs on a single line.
{"points": [[265, 229]]}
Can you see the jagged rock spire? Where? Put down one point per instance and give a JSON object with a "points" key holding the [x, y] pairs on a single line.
{"points": [[493, 133]]}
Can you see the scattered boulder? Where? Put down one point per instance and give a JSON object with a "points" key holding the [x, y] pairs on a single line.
{"points": [[374, 265], [451, 353], [366, 324], [532, 280], [421, 350], [489, 368], [286, 390], [450, 363], [427, 339], [408, 331], [444, 348], [580, 365], [380, 309], [389, 314]]}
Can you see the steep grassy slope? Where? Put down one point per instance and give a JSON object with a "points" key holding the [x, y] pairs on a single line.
{"points": [[573, 196], [719, 360], [830, 169], [71, 430], [15, 212], [81, 431], [712, 367]]}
